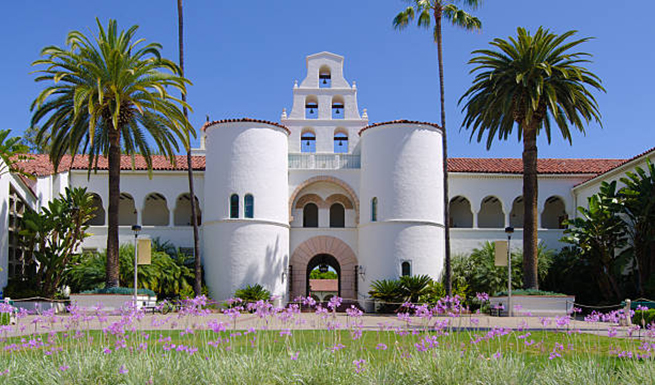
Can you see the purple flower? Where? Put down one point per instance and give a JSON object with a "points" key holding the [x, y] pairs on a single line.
{"points": [[64, 368], [359, 365], [381, 347], [122, 370], [482, 297], [294, 356]]}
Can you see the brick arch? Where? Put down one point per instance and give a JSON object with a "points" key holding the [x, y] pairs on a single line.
{"points": [[327, 179], [339, 198], [324, 245], [310, 198]]}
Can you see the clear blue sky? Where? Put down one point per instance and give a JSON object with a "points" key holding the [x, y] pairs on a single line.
{"points": [[243, 57]]}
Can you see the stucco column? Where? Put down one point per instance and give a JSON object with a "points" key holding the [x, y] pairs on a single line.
{"points": [[139, 211], [323, 217], [171, 216], [475, 219], [507, 220]]}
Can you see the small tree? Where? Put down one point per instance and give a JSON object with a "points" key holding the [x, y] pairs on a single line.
{"points": [[600, 234], [56, 233], [12, 151]]}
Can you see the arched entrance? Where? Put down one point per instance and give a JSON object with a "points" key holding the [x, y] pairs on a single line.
{"points": [[320, 282], [324, 250]]}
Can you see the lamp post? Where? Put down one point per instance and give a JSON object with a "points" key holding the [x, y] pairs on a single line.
{"points": [[509, 230], [136, 229]]}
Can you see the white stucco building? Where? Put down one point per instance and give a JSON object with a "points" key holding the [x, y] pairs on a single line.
{"points": [[322, 186]]}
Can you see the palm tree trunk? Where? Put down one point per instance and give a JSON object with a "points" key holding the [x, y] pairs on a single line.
{"points": [[447, 271], [112, 212], [530, 212], [197, 268]]}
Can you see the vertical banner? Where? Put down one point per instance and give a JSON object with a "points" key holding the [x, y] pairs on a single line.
{"points": [[500, 258], [143, 251]]}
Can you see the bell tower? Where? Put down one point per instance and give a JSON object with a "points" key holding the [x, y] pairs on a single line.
{"points": [[325, 117]]}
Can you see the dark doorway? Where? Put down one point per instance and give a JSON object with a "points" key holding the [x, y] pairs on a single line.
{"points": [[324, 263]]}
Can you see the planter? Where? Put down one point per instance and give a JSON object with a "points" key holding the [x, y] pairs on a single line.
{"points": [[110, 302], [38, 307], [535, 305]]}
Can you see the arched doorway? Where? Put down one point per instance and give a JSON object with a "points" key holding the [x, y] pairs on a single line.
{"points": [[329, 250], [320, 282]]}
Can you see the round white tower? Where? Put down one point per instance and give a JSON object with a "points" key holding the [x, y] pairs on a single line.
{"points": [[401, 198], [246, 217]]}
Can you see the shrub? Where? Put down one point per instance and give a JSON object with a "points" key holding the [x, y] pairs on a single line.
{"points": [[644, 317], [253, 293]]}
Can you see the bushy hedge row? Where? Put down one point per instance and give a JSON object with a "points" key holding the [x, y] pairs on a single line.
{"points": [[644, 317]]}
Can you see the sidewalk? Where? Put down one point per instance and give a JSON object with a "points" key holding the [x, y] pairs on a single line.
{"points": [[307, 321]]}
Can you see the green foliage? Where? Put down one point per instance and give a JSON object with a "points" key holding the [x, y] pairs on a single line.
{"points": [[480, 274], [5, 318], [32, 144], [644, 317], [638, 206], [570, 273], [98, 86], [427, 9], [253, 293], [21, 288], [415, 286], [12, 151], [168, 276], [415, 289], [600, 233], [119, 290], [530, 80], [315, 274], [55, 233]]}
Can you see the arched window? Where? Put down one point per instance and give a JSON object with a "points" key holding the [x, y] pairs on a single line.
{"points": [[554, 214], [406, 269], [99, 218], [155, 211], [460, 212], [234, 206], [249, 206], [324, 77], [516, 215], [340, 142], [126, 210], [182, 214], [311, 107], [337, 107], [310, 215], [337, 215], [491, 214], [374, 209], [308, 142]]}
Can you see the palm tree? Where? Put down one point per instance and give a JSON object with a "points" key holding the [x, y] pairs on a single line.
{"points": [[426, 9], [12, 151], [197, 283], [108, 94], [530, 81]]}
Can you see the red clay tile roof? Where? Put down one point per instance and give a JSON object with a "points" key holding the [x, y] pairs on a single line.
{"points": [[544, 166], [324, 284], [623, 161], [41, 166], [401, 121], [207, 124]]}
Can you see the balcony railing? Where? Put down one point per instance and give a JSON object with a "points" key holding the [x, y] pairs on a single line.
{"points": [[324, 161]]}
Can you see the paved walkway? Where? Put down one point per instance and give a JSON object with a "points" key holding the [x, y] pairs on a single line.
{"points": [[306, 321]]}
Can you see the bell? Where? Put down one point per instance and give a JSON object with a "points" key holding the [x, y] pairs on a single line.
{"points": [[308, 142], [324, 81], [340, 143], [338, 111], [311, 110]]}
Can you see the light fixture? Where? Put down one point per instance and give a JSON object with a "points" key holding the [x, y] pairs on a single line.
{"points": [[136, 229], [323, 268]]}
